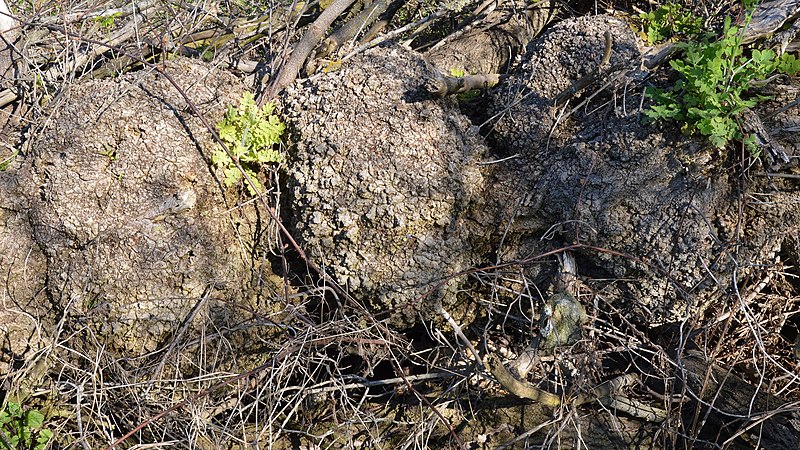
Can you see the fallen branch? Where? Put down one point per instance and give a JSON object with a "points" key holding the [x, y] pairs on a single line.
{"points": [[394, 33], [101, 13], [353, 26], [291, 68], [76, 63], [607, 393], [519, 388]]}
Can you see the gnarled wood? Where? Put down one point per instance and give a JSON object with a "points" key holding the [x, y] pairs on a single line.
{"points": [[741, 411]]}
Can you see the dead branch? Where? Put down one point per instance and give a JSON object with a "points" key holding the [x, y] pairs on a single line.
{"points": [[291, 68], [383, 20], [8, 37], [394, 33], [7, 96], [349, 30], [519, 388], [81, 60], [608, 393], [247, 30]]}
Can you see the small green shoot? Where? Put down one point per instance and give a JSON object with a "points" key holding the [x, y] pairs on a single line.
{"points": [[107, 22], [109, 152], [6, 161], [250, 133], [208, 54], [714, 77], [22, 429], [457, 72]]}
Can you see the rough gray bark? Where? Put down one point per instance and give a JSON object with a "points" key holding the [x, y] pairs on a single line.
{"points": [[25, 314], [383, 205], [615, 182], [392, 191], [619, 184]]}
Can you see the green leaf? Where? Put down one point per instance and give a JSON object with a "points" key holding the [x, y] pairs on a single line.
{"points": [[232, 176], [227, 131], [788, 64], [33, 419], [667, 21], [254, 178], [220, 158], [762, 57], [43, 439], [457, 72], [714, 77]]}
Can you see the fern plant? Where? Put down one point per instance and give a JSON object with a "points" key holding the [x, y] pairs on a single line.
{"points": [[252, 135]]}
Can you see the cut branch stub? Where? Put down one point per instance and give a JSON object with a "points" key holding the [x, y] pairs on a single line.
{"points": [[442, 85]]}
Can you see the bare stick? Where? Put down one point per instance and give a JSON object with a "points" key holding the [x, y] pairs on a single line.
{"points": [[460, 334], [7, 96], [116, 39], [354, 26], [71, 17], [520, 388], [394, 33]]}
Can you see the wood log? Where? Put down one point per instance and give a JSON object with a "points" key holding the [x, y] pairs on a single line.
{"points": [[743, 414]]}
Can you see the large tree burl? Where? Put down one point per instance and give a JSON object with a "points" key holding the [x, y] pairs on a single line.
{"points": [[381, 178], [125, 208]]}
